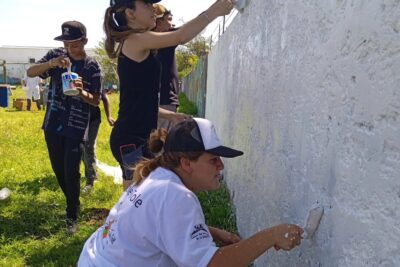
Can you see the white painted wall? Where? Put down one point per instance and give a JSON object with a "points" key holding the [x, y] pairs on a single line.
{"points": [[310, 90]]}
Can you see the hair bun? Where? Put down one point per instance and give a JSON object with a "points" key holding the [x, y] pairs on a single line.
{"points": [[157, 140]]}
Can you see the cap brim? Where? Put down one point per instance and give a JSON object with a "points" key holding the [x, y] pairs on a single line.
{"points": [[225, 152], [63, 39]]}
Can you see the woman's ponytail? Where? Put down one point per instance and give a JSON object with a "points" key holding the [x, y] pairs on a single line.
{"points": [[156, 144], [116, 29]]}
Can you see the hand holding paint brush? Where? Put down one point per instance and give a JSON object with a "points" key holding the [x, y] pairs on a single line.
{"points": [[312, 223], [62, 62], [240, 4], [287, 236]]}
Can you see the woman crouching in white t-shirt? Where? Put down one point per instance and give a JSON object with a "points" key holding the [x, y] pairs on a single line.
{"points": [[158, 221]]}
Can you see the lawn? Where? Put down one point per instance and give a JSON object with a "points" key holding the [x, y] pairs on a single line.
{"points": [[32, 228]]}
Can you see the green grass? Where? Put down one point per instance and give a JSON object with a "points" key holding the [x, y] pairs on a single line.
{"points": [[32, 229], [186, 106]]}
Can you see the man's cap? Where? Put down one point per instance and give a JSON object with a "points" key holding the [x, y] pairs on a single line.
{"points": [[161, 11], [122, 3], [197, 135], [72, 31]]}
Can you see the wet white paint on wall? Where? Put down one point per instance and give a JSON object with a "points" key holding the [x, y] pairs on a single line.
{"points": [[310, 90]]}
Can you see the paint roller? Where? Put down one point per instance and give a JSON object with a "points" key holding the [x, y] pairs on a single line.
{"points": [[240, 4]]}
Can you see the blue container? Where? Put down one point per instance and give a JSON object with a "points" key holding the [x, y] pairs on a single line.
{"points": [[4, 88]]}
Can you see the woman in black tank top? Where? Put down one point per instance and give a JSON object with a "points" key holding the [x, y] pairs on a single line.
{"points": [[128, 25]]}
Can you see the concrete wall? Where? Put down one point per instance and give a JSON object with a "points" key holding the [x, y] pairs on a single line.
{"points": [[310, 90]]}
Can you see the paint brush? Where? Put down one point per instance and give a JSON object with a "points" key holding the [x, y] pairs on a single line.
{"points": [[312, 223], [240, 5], [313, 220]]}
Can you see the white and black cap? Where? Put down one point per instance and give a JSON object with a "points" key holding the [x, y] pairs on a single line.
{"points": [[197, 135]]}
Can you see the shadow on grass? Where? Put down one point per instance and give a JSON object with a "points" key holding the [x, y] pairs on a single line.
{"points": [[65, 255], [68, 253], [35, 209], [24, 215], [39, 217], [48, 182]]}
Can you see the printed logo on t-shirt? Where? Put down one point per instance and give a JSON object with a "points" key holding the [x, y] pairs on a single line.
{"points": [[108, 233], [134, 197], [200, 232]]}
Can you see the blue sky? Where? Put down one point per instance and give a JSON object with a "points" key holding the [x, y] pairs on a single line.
{"points": [[37, 22]]}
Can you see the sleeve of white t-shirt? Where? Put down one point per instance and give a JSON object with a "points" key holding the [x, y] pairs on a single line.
{"points": [[184, 235]]}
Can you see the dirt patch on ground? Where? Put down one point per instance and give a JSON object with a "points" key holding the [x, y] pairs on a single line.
{"points": [[95, 216]]}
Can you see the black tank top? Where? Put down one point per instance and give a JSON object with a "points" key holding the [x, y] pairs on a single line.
{"points": [[139, 88]]}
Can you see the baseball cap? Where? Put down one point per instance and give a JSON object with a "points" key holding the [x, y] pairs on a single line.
{"points": [[197, 135], [161, 11], [121, 3], [72, 31]]}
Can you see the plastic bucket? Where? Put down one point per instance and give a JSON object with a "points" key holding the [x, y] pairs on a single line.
{"points": [[68, 85]]}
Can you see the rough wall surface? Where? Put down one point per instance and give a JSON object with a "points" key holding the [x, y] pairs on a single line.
{"points": [[310, 90]]}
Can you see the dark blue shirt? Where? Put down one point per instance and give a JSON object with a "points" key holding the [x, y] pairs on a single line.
{"points": [[69, 115]]}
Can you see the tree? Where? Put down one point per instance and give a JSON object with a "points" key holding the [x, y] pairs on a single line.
{"points": [[199, 46], [186, 61], [108, 66], [188, 55]]}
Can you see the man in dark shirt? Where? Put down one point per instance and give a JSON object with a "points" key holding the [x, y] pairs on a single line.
{"points": [[66, 121], [169, 73]]}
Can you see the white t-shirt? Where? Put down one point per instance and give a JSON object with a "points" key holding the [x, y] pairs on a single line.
{"points": [[32, 83], [159, 223]]}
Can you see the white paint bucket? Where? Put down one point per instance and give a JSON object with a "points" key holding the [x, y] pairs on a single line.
{"points": [[68, 85]]}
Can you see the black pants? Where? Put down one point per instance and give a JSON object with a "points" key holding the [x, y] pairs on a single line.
{"points": [[89, 152], [29, 104], [65, 157]]}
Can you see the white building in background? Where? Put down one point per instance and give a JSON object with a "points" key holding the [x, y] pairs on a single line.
{"points": [[19, 58]]}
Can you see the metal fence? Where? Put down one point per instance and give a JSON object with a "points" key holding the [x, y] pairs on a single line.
{"points": [[221, 26], [194, 85]]}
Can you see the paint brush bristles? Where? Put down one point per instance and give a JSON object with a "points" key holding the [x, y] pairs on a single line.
{"points": [[313, 220], [240, 5]]}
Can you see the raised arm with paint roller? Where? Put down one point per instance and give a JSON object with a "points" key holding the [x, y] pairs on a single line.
{"points": [[158, 221], [128, 25]]}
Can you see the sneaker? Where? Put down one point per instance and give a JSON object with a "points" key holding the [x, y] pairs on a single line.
{"points": [[87, 189], [72, 226]]}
